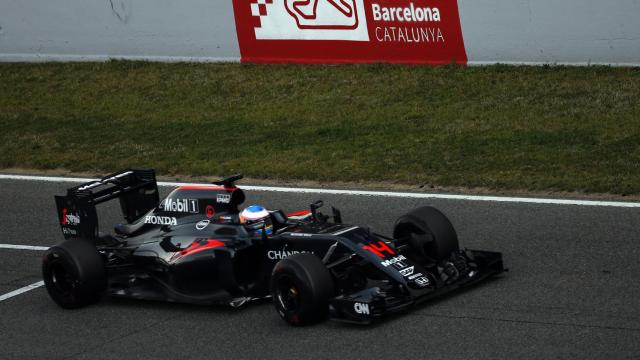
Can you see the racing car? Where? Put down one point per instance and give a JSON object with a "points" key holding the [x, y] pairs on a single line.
{"points": [[196, 246]]}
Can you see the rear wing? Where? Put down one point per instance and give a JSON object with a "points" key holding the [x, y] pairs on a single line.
{"points": [[136, 188]]}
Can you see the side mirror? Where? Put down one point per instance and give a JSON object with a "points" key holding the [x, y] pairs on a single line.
{"points": [[314, 207], [337, 216]]}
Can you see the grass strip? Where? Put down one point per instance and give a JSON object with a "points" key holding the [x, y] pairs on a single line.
{"points": [[497, 127]]}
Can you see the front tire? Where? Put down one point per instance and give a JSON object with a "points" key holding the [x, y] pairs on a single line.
{"points": [[74, 274], [301, 287], [428, 232]]}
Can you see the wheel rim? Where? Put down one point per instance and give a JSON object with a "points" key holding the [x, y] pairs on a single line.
{"points": [[62, 279], [288, 294]]}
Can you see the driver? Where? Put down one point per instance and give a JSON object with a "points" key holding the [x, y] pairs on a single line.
{"points": [[255, 219]]}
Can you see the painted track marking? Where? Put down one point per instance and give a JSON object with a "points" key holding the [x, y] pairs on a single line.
{"points": [[28, 287], [23, 247], [506, 199], [21, 290]]}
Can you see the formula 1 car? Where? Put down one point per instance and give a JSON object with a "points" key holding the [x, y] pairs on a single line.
{"points": [[191, 247]]}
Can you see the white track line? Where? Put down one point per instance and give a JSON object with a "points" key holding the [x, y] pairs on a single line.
{"points": [[507, 199], [28, 287], [23, 247], [21, 290]]}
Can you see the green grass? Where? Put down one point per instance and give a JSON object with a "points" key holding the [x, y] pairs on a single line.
{"points": [[499, 127]]}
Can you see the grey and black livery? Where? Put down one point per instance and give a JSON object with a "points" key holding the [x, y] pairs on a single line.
{"points": [[191, 247]]}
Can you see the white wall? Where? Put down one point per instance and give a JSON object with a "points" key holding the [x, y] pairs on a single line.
{"points": [[97, 29], [551, 31], [506, 31]]}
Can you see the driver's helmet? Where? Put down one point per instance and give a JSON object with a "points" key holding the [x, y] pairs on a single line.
{"points": [[256, 218]]}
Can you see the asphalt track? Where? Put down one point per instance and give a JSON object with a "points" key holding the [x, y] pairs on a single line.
{"points": [[572, 292]]}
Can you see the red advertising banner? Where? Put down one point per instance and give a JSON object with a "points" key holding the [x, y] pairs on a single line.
{"points": [[347, 31]]}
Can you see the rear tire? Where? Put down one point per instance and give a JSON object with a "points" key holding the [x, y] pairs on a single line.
{"points": [[301, 287], [428, 232], [74, 274]]}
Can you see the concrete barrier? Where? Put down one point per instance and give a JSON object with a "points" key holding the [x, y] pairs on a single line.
{"points": [[494, 31], [576, 32], [164, 30]]}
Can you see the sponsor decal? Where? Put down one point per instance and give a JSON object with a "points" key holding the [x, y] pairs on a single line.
{"points": [[406, 272], [422, 281], [309, 20], [411, 277], [361, 308], [380, 248], [68, 231], [223, 198], [317, 31], [202, 224], [180, 205], [160, 220], [400, 265], [70, 218], [210, 211], [225, 219], [301, 234], [283, 254], [393, 260]]}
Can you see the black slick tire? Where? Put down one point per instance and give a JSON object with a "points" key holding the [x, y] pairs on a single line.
{"points": [[74, 273], [429, 232], [301, 287]]}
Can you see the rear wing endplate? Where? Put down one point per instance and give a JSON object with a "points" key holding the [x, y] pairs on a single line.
{"points": [[136, 188]]}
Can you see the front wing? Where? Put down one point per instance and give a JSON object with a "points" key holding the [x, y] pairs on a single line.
{"points": [[371, 303]]}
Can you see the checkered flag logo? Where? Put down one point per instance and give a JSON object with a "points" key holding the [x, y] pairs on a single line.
{"points": [[310, 19]]}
